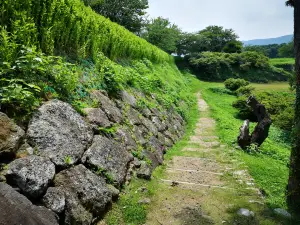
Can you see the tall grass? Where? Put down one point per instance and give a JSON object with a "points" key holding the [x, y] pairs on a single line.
{"points": [[68, 27]]}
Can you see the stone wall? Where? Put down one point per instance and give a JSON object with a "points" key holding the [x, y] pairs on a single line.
{"points": [[73, 167]]}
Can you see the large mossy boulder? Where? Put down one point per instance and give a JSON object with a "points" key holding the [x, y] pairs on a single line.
{"points": [[86, 195], [58, 132], [11, 136], [32, 175], [16, 209], [110, 157]]}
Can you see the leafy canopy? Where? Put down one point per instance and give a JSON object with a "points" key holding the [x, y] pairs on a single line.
{"points": [[162, 33], [127, 13], [212, 38]]}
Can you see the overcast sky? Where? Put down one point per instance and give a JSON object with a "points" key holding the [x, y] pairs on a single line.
{"points": [[251, 19]]}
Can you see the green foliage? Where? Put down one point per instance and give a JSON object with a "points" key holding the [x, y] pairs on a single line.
{"points": [[234, 84], [246, 91], [273, 51], [110, 131], [127, 13], [218, 37], [162, 33], [244, 111], [287, 64], [287, 50], [68, 160], [233, 47], [251, 66], [279, 104], [69, 27], [212, 38]]}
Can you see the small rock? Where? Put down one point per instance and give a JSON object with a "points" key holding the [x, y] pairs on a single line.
{"points": [[245, 213], [144, 172], [282, 213], [174, 183], [114, 191], [143, 189], [123, 135], [145, 201], [32, 175], [108, 106], [136, 162], [133, 117], [25, 150], [55, 200], [97, 118], [128, 98]]}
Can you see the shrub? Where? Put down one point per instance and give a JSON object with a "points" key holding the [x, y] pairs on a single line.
{"points": [[234, 84], [245, 90], [280, 106], [252, 66], [244, 111]]}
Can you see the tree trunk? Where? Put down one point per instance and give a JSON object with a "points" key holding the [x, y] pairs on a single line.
{"points": [[293, 193], [261, 130], [244, 139]]}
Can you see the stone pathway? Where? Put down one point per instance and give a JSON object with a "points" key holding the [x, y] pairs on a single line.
{"points": [[202, 184]]}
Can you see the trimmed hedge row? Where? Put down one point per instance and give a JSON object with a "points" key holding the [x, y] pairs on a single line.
{"points": [[252, 66], [68, 27]]}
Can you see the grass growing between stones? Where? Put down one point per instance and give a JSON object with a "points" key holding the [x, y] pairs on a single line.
{"points": [[268, 168]]}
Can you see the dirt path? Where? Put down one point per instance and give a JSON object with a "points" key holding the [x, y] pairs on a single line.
{"points": [[202, 184]]}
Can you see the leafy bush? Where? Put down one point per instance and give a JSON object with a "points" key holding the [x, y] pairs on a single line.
{"points": [[280, 105], [234, 84], [246, 90], [244, 111], [252, 66]]}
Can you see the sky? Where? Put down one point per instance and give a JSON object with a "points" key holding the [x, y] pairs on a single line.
{"points": [[251, 19]]}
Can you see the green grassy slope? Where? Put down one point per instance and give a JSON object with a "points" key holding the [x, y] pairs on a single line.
{"points": [[103, 55]]}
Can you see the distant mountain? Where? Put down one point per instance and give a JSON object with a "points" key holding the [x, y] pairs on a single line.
{"points": [[269, 41]]}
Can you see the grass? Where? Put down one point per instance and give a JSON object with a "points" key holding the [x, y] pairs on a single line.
{"points": [[276, 86], [282, 61], [269, 168]]}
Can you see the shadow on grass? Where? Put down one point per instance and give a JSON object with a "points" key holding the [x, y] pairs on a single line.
{"points": [[193, 216]]}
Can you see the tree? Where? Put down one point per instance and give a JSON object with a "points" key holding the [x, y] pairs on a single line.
{"points": [[162, 33], [212, 38], [286, 50], [218, 37], [190, 43], [293, 189], [127, 13], [233, 47]]}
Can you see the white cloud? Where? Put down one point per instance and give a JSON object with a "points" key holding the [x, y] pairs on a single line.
{"points": [[250, 19]]}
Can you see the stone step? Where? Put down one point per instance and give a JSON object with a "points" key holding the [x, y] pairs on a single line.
{"points": [[212, 179], [196, 140], [195, 185], [192, 163]]}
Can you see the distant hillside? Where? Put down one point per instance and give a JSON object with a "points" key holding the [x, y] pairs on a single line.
{"points": [[269, 41]]}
